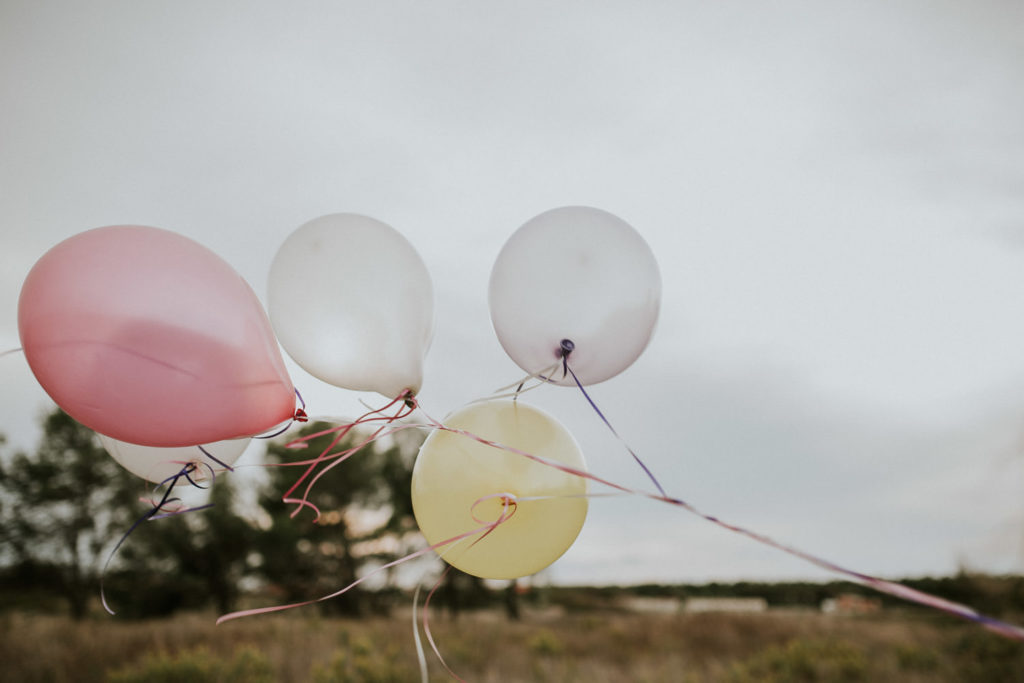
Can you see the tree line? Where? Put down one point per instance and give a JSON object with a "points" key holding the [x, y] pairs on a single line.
{"points": [[64, 506]]}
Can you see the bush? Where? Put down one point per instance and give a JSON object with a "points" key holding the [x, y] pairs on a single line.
{"points": [[198, 666], [986, 657], [914, 658], [803, 661], [362, 663], [546, 643]]}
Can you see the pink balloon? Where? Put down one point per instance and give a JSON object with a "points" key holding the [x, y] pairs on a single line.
{"points": [[151, 338]]}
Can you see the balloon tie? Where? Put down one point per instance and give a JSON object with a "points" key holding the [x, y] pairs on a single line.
{"points": [[508, 502], [300, 412], [518, 387], [220, 462], [156, 512], [298, 416], [483, 530], [565, 347], [898, 590], [643, 466], [407, 405], [426, 624]]}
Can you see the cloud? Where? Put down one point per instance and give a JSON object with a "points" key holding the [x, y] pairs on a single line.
{"points": [[839, 347]]}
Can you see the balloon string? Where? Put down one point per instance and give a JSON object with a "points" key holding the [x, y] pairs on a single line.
{"points": [[566, 347], [643, 466], [407, 407], [156, 512], [483, 529], [9, 352], [187, 474], [509, 506], [881, 585], [421, 657], [507, 498], [298, 416], [426, 624], [404, 411], [220, 462], [540, 379]]}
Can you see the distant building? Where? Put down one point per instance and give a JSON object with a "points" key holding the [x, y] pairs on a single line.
{"points": [[651, 605], [851, 603], [694, 605]]}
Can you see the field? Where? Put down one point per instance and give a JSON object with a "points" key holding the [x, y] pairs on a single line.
{"points": [[484, 647]]}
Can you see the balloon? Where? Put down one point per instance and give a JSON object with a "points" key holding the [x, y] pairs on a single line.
{"points": [[353, 304], [453, 472], [157, 464], [580, 274], [150, 338]]}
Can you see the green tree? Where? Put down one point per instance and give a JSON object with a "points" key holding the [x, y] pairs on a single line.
{"points": [[366, 519], [186, 560], [62, 505], [65, 506]]}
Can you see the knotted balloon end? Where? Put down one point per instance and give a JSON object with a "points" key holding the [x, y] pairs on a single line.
{"points": [[408, 397], [565, 347]]}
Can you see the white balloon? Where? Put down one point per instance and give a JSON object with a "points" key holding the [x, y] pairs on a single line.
{"points": [[580, 274], [352, 303], [157, 464]]}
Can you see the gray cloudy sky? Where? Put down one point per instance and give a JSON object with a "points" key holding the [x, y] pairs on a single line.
{"points": [[835, 195]]}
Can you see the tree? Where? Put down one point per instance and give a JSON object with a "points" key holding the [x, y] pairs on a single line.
{"points": [[65, 506], [186, 560], [367, 519], [62, 505]]}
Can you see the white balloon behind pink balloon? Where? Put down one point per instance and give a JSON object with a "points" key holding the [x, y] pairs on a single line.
{"points": [[580, 274], [157, 464]]}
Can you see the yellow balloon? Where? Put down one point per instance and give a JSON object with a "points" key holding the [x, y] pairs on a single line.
{"points": [[458, 485]]}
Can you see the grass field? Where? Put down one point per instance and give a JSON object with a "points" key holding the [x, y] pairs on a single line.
{"points": [[484, 647]]}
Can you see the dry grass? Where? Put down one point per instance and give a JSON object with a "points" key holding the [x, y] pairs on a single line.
{"points": [[594, 647]]}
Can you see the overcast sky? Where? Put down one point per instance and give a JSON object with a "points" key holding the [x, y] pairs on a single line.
{"points": [[835, 195]]}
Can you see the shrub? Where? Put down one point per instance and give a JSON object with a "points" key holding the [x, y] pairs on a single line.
{"points": [[362, 663], [803, 661], [546, 643], [986, 657], [197, 666], [914, 658]]}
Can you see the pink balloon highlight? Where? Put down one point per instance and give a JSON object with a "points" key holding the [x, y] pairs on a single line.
{"points": [[151, 338]]}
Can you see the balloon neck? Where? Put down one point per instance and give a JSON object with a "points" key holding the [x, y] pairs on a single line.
{"points": [[408, 397], [565, 347], [196, 473], [300, 414]]}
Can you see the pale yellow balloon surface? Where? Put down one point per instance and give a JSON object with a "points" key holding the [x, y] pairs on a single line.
{"points": [[453, 472]]}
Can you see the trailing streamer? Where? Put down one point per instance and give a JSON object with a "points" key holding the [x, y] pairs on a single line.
{"points": [[156, 512], [999, 627]]}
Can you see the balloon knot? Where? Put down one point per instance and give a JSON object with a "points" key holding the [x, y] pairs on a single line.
{"points": [[300, 415], [565, 347], [408, 397]]}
